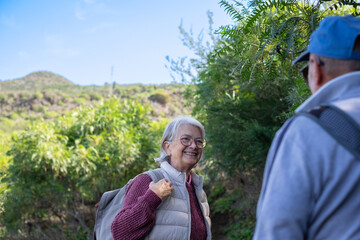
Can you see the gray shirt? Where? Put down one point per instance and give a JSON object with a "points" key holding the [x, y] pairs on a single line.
{"points": [[311, 185]]}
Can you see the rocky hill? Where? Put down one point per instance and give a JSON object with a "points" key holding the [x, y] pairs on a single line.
{"points": [[36, 81], [45, 95]]}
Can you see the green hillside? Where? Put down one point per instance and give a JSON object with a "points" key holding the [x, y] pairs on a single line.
{"points": [[45, 95], [36, 81]]}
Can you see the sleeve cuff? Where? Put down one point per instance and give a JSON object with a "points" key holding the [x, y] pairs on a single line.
{"points": [[153, 200]]}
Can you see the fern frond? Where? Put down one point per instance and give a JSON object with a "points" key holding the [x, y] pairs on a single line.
{"points": [[342, 3], [244, 10], [261, 7], [278, 31], [223, 48], [228, 31], [231, 10], [255, 15]]}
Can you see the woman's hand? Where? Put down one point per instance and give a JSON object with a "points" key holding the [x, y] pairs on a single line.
{"points": [[162, 188]]}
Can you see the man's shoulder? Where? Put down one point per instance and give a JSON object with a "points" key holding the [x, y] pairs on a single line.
{"points": [[305, 131], [300, 125]]}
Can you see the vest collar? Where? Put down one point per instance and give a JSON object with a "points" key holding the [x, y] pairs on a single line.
{"points": [[180, 177]]}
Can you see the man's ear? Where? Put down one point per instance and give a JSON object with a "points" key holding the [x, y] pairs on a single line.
{"points": [[166, 146], [316, 75]]}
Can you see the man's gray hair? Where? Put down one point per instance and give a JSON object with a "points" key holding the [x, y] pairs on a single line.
{"points": [[171, 131]]}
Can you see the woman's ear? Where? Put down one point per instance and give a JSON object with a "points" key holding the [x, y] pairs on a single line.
{"points": [[166, 146]]}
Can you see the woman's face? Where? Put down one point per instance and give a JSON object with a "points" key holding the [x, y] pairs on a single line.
{"points": [[183, 158]]}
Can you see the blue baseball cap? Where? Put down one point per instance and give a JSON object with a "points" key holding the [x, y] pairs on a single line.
{"points": [[334, 38]]}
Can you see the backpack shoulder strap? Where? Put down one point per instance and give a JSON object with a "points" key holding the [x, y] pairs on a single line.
{"points": [[111, 203], [339, 125], [155, 174]]}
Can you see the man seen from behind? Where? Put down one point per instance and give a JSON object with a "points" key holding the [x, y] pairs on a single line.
{"points": [[311, 185]]}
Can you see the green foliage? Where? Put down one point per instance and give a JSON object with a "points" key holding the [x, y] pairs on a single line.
{"points": [[38, 95], [46, 97], [5, 124], [233, 10], [36, 80], [160, 97], [241, 230], [4, 164], [232, 209], [13, 116], [60, 169], [333, 6], [224, 204], [249, 87], [79, 101], [50, 115], [94, 96], [2, 98], [40, 109], [244, 87], [217, 191]]}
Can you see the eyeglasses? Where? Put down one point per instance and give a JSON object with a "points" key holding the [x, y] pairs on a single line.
{"points": [[187, 141], [305, 69]]}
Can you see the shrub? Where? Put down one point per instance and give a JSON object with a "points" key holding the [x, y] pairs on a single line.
{"points": [[160, 97], [60, 169], [95, 96], [13, 116], [50, 115], [38, 96], [38, 108], [2, 99], [79, 101]]}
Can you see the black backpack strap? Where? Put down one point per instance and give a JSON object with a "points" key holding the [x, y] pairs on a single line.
{"points": [[339, 125]]}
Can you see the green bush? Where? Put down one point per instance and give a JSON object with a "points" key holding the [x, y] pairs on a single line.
{"points": [[13, 116], [4, 164], [6, 124], [50, 115], [160, 97], [38, 96], [38, 108], [60, 169], [95, 96], [79, 101], [2, 99]]}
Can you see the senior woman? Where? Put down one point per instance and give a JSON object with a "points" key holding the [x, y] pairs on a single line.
{"points": [[175, 207]]}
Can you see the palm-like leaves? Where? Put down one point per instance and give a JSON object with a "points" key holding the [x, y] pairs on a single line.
{"points": [[282, 27]]}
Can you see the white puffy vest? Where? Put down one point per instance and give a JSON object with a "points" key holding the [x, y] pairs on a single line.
{"points": [[173, 216]]}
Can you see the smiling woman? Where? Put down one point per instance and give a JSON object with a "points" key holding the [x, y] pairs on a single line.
{"points": [[185, 151], [175, 207]]}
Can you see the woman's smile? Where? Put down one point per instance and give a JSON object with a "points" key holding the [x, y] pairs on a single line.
{"points": [[183, 158]]}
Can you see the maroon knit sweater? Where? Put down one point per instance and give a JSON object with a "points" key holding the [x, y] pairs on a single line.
{"points": [[137, 216]]}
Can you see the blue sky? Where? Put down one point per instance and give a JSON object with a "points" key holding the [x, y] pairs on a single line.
{"points": [[97, 41]]}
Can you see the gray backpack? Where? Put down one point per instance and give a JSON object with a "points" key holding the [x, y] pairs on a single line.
{"points": [[111, 203], [339, 125]]}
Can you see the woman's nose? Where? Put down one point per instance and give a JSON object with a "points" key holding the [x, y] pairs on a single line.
{"points": [[193, 144]]}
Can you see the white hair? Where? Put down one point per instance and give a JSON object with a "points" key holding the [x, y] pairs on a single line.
{"points": [[171, 132]]}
